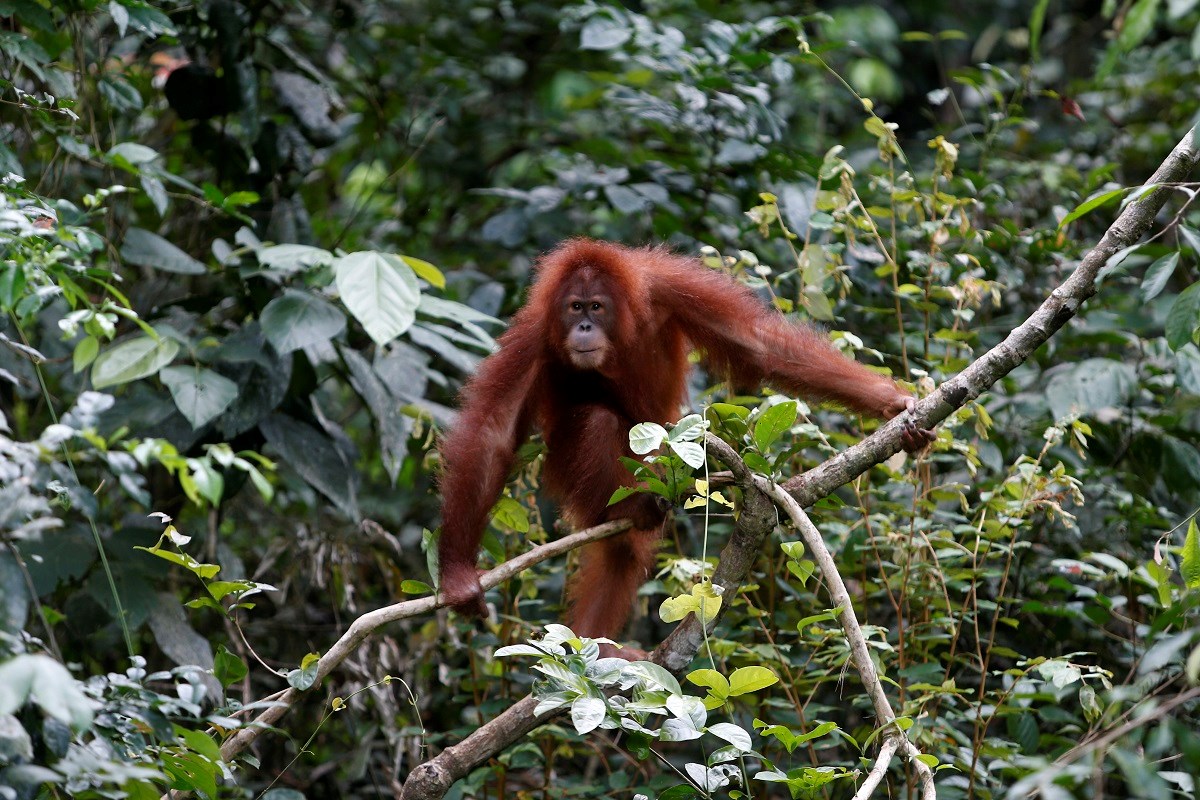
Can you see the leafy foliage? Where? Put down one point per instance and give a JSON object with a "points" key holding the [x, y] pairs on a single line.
{"points": [[250, 252]]}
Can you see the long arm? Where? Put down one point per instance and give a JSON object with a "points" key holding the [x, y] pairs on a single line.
{"points": [[751, 343], [478, 454]]}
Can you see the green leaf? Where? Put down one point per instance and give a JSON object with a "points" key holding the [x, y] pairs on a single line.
{"points": [[710, 679], [380, 290], [1157, 275], [200, 570], [817, 304], [131, 360], [1059, 673], [85, 353], [418, 587], [207, 482], [1092, 203], [227, 667], [46, 683], [154, 189], [692, 453], [1191, 237], [813, 619], [646, 437], [290, 258], [602, 32], [313, 454], [304, 677], [674, 609], [1190, 568], [1036, 21], [300, 319], [817, 732], [511, 515], [688, 429], [1183, 317], [426, 271], [1137, 25], [150, 21], [219, 589], [772, 423], [653, 677], [1089, 386], [146, 249], [131, 154], [620, 494], [702, 601], [1187, 368], [516, 650], [750, 679], [587, 713], [200, 394], [1192, 666], [734, 734], [12, 284]]}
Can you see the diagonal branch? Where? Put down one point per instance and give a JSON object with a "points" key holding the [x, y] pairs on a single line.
{"points": [[859, 653], [371, 621], [1062, 304]]}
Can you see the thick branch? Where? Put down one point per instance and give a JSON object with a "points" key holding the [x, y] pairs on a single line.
{"points": [[368, 623], [1062, 304]]}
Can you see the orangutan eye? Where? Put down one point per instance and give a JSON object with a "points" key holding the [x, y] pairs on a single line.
{"points": [[595, 306], [577, 306]]}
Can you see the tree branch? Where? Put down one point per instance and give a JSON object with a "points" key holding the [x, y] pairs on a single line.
{"points": [[368, 623], [434, 778], [859, 653], [1062, 304]]}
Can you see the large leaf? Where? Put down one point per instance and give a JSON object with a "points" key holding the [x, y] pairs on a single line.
{"points": [[313, 454], [1187, 369], [603, 32], [131, 360], [200, 394], [646, 437], [47, 683], [380, 290], [1157, 275], [1191, 557], [1089, 386], [773, 422], [300, 319], [587, 713], [293, 257], [263, 378], [148, 249], [392, 426], [1183, 317], [462, 315]]}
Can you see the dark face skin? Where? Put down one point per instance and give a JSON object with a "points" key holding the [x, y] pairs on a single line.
{"points": [[586, 312]]}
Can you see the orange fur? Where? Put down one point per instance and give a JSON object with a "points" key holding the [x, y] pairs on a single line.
{"points": [[665, 305]]}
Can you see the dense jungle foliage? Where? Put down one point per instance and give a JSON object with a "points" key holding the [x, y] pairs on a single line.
{"points": [[251, 251]]}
